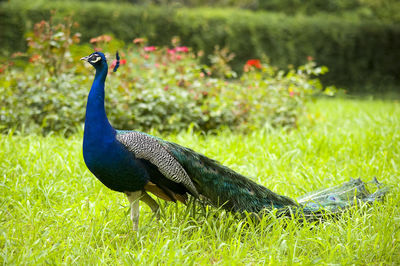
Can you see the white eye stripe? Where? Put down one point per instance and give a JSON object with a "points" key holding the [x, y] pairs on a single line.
{"points": [[98, 58]]}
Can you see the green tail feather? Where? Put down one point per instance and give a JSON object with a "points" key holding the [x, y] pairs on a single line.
{"points": [[336, 199], [225, 188]]}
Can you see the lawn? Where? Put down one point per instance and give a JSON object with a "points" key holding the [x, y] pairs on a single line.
{"points": [[54, 211]]}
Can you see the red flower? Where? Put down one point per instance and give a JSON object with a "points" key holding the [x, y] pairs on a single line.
{"points": [[254, 62], [150, 48], [182, 49]]}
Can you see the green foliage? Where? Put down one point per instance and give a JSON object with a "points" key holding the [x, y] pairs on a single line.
{"points": [[308, 6], [360, 53], [166, 89], [42, 102], [54, 211], [286, 6], [386, 10]]}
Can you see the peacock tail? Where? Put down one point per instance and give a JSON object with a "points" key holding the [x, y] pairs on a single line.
{"points": [[336, 199], [222, 187]]}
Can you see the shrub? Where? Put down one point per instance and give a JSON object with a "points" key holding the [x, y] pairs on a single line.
{"points": [[41, 103], [277, 97], [162, 88]]}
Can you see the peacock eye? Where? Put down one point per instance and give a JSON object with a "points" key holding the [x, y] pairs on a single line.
{"points": [[94, 59]]}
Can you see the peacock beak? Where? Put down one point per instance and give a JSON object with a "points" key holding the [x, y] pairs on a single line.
{"points": [[86, 58]]}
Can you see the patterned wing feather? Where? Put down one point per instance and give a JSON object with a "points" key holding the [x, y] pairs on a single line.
{"points": [[149, 148]]}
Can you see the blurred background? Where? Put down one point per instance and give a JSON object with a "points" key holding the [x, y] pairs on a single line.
{"points": [[192, 63]]}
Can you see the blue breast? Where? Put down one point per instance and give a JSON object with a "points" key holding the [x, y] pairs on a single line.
{"points": [[114, 166]]}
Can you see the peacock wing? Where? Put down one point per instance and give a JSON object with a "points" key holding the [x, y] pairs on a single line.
{"points": [[149, 148]]}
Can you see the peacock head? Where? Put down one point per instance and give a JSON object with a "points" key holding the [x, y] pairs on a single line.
{"points": [[98, 60]]}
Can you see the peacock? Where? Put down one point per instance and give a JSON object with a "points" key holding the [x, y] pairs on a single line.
{"points": [[136, 163]]}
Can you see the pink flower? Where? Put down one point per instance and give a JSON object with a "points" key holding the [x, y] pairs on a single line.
{"points": [[166, 88], [310, 58], [291, 93], [17, 54], [171, 51], [121, 62], [182, 49], [150, 48], [101, 38], [178, 57]]}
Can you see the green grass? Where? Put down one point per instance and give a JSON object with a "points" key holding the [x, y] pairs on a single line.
{"points": [[52, 210]]}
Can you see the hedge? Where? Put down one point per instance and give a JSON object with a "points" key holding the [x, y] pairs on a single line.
{"points": [[359, 54]]}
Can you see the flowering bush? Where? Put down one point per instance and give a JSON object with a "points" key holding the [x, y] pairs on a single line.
{"points": [[162, 88], [167, 89], [278, 97], [49, 46]]}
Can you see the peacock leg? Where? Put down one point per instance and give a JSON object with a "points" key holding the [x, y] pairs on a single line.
{"points": [[134, 198], [151, 203]]}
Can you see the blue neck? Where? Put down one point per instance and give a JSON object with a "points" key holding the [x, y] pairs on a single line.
{"points": [[97, 127]]}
